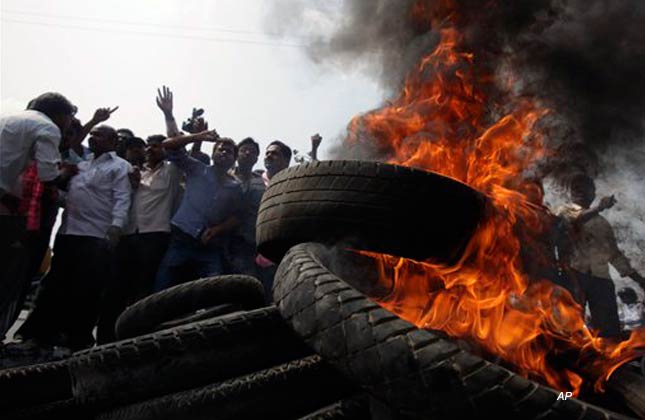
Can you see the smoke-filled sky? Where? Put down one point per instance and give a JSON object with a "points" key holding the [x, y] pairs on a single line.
{"points": [[583, 59], [214, 54]]}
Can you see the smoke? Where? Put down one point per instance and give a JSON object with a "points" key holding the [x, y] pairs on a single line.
{"points": [[583, 59]]}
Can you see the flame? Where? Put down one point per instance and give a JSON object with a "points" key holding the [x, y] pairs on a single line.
{"points": [[441, 121]]}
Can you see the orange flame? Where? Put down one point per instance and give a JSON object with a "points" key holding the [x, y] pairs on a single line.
{"points": [[441, 122]]}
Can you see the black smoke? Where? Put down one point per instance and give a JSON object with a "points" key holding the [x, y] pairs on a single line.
{"points": [[584, 59]]}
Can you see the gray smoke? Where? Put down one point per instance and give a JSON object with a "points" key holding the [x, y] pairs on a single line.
{"points": [[584, 59]]}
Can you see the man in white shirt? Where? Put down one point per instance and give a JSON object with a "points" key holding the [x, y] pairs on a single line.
{"points": [[96, 211], [31, 135], [157, 195]]}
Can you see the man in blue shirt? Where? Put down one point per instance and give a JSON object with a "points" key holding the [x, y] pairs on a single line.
{"points": [[209, 211]]}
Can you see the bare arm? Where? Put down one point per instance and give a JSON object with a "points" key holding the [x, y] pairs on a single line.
{"points": [[316, 139], [100, 115], [588, 214], [165, 103], [200, 125], [175, 143]]}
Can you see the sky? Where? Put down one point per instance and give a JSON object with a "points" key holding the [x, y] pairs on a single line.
{"points": [[213, 54]]}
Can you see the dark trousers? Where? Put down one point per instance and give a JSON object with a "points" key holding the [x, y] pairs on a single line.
{"points": [[36, 244], [188, 259], [13, 266], [66, 307], [242, 257], [136, 261], [600, 293]]}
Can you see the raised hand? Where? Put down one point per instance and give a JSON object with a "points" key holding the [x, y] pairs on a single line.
{"points": [[316, 139], [200, 125], [164, 100], [606, 203], [103, 114]]}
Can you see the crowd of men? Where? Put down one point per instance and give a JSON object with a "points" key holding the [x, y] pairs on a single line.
{"points": [[141, 216]]}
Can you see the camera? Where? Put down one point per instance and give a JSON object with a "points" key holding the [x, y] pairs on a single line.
{"points": [[189, 124]]}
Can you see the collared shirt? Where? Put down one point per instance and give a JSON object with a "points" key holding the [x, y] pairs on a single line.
{"points": [[98, 197], [252, 190], [155, 200], [28, 135], [208, 200], [593, 244]]}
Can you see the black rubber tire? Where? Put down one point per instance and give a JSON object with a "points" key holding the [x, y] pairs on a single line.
{"points": [[368, 205], [145, 315], [283, 392], [417, 372], [35, 384], [200, 315], [354, 408], [184, 357], [64, 409]]}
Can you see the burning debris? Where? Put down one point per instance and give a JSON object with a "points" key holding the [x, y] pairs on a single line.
{"points": [[498, 96]]}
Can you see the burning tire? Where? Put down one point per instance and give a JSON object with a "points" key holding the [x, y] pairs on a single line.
{"points": [[417, 372], [183, 300], [283, 392], [373, 206], [182, 358]]}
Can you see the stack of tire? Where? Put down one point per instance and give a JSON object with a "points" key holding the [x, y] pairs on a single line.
{"points": [[208, 349]]}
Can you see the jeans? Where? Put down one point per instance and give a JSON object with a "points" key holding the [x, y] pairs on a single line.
{"points": [[188, 259]]}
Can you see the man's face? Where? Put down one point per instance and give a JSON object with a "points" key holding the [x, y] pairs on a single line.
{"points": [[274, 160], [154, 153], [101, 141], [583, 194], [135, 155], [247, 156], [223, 155]]}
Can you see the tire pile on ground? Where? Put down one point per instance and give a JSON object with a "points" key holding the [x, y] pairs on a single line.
{"points": [[210, 350]]}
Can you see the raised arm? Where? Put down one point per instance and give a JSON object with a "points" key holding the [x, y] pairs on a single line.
{"points": [[586, 215], [177, 142], [165, 104], [316, 139], [100, 115]]}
